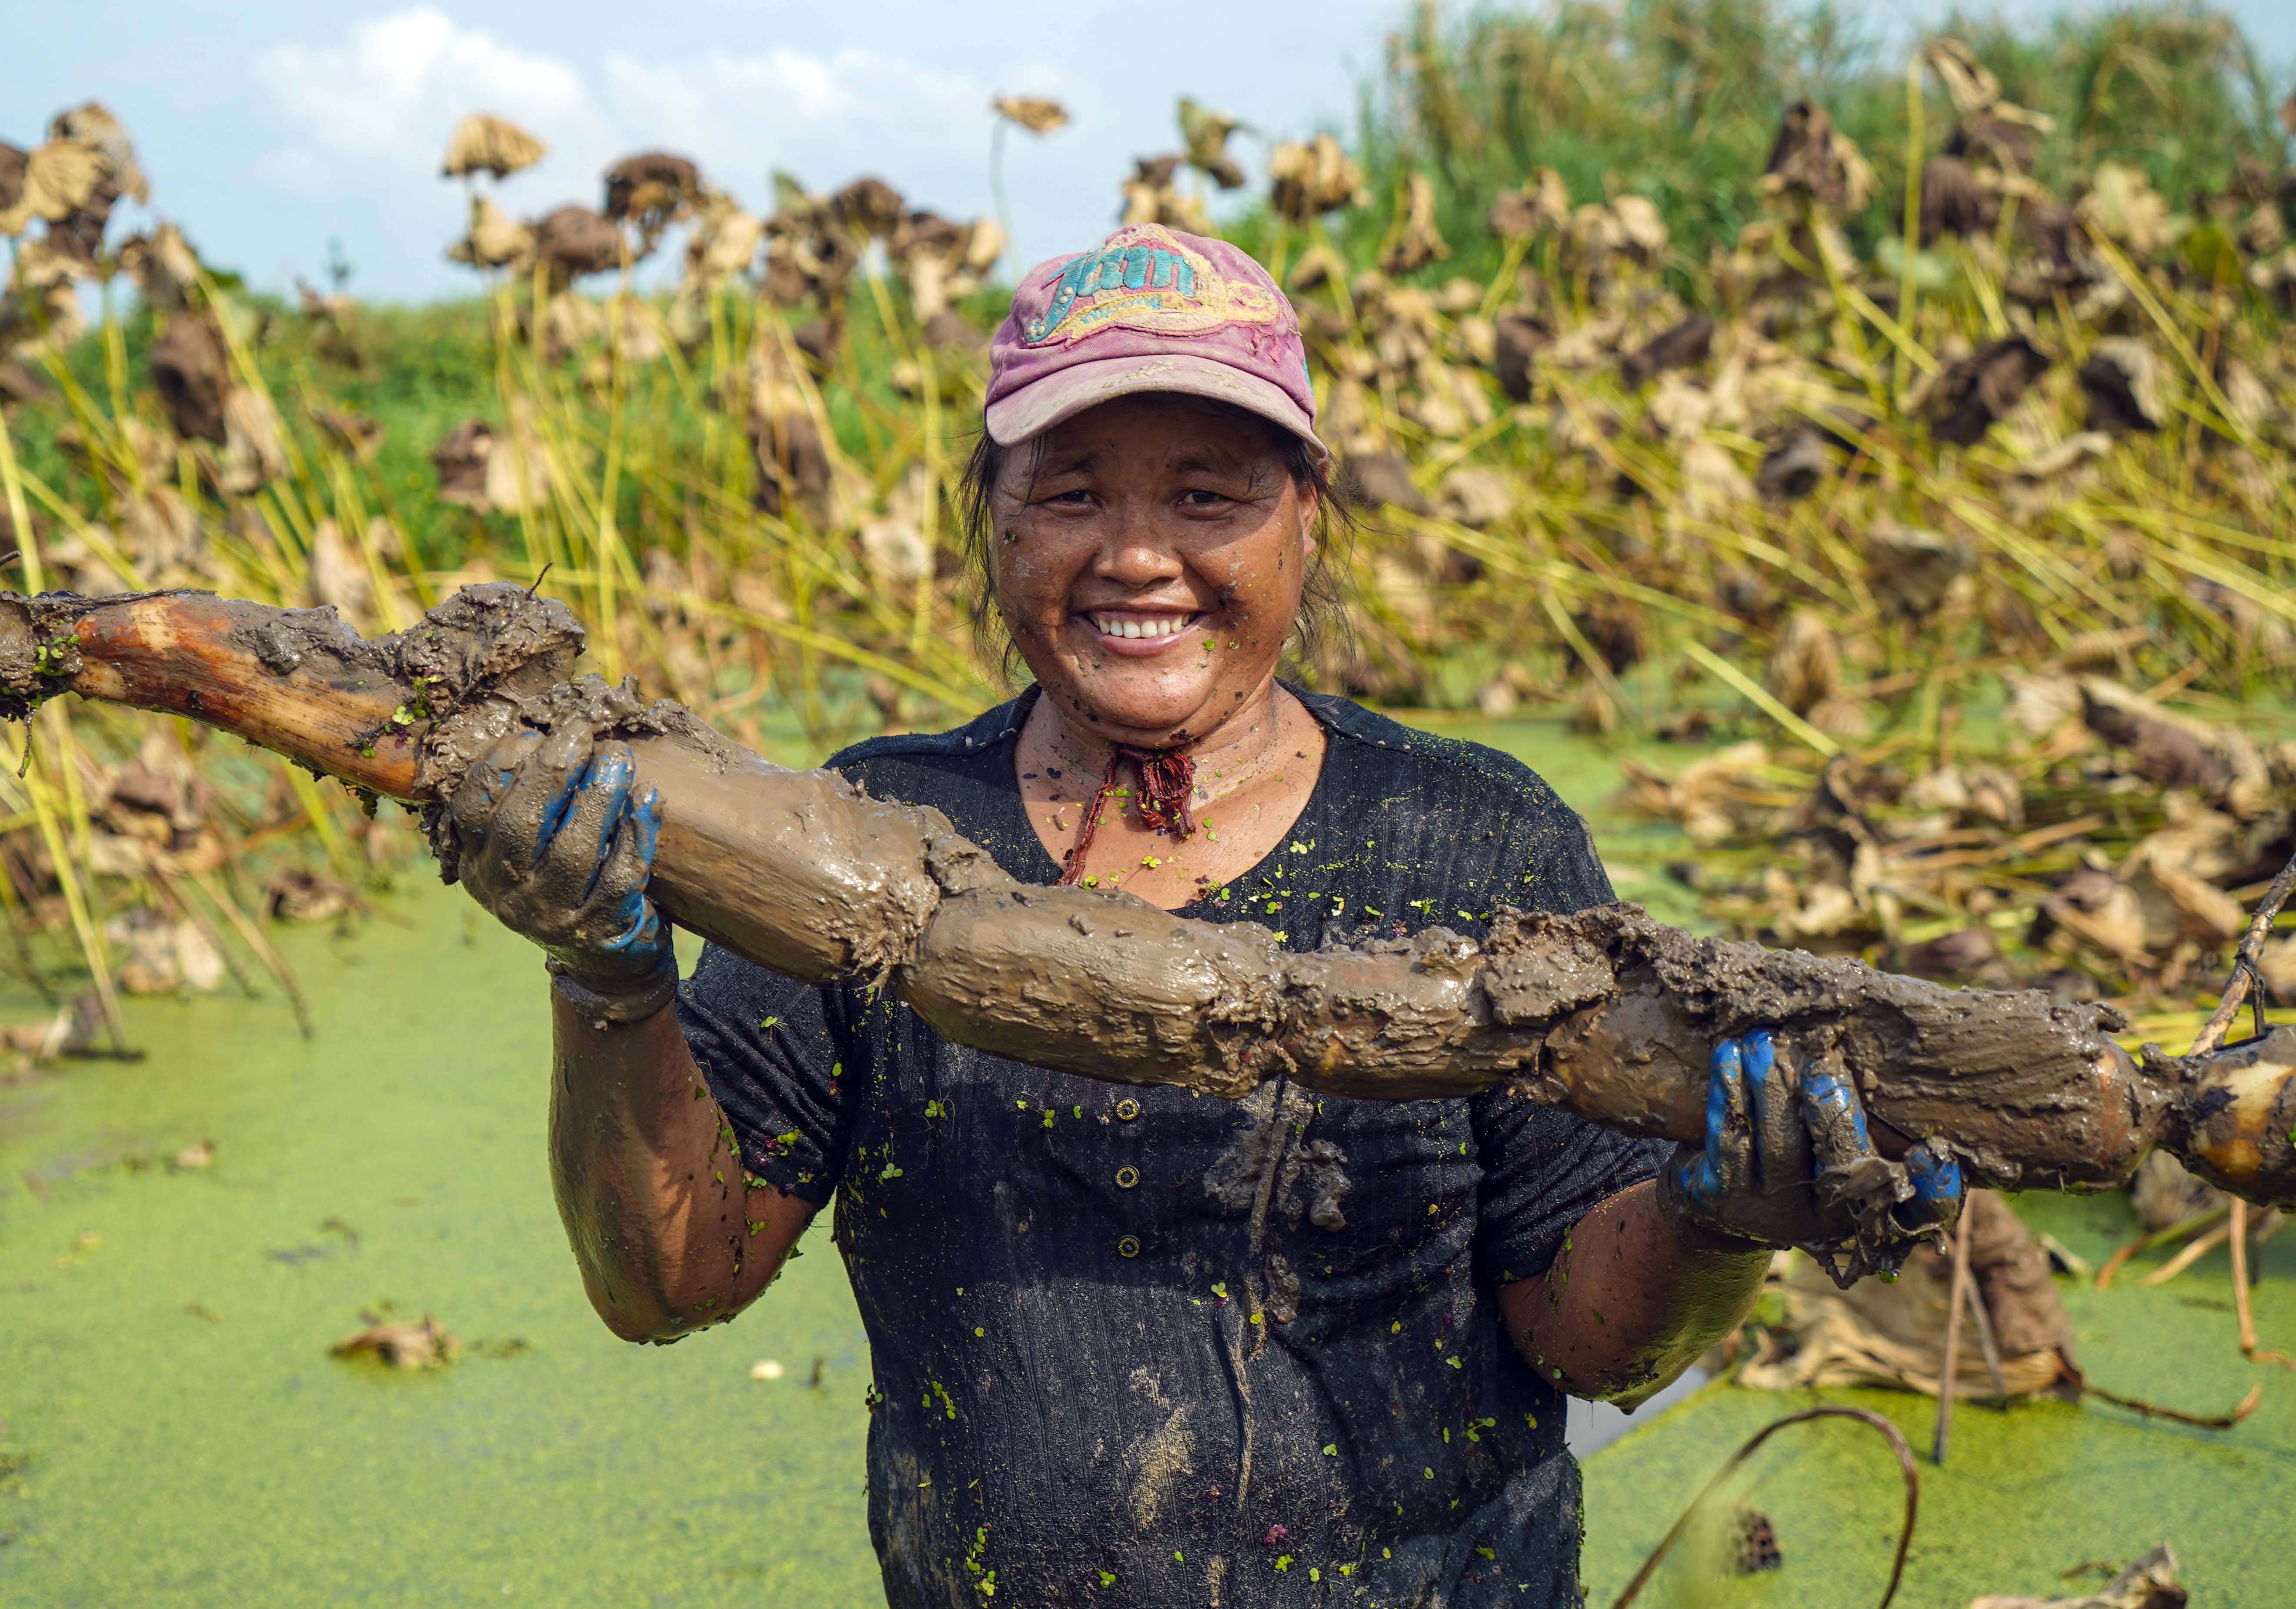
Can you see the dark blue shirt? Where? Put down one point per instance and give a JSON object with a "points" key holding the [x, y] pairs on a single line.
{"points": [[1141, 1347]]}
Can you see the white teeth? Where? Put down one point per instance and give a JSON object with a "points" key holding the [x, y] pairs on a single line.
{"points": [[1161, 626]]}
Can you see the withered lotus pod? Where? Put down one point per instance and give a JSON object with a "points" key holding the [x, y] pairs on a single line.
{"points": [[1037, 115], [868, 208], [491, 473], [818, 339], [1910, 569], [785, 283], [1157, 172], [1613, 635], [1379, 481], [1206, 131], [1514, 215], [1743, 592], [1963, 401], [254, 448], [793, 469], [1968, 82], [55, 182], [2251, 181], [494, 240], [1641, 226], [483, 143], [1317, 266], [984, 244], [460, 461], [1805, 664], [2122, 205], [1309, 179], [80, 233], [1793, 468], [163, 266], [1686, 346], [574, 242], [1516, 343], [2121, 380], [2006, 144], [19, 382], [1811, 158], [355, 433], [1418, 242], [652, 189], [2056, 230], [1225, 171], [91, 125], [14, 160], [1951, 201], [927, 234], [192, 373], [1543, 203]]}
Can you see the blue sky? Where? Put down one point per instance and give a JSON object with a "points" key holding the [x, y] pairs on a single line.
{"points": [[269, 127]]}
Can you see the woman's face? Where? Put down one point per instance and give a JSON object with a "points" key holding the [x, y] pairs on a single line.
{"points": [[1148, 558]]}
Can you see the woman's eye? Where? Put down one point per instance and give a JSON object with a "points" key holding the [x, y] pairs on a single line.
{"points": [[1198, 497]]}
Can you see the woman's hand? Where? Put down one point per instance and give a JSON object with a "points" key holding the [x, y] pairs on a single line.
{"points": [[550, 835], [1788, 1161]]}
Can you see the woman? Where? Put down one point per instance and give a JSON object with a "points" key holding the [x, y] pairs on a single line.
{"points": [[1135, 1346]]}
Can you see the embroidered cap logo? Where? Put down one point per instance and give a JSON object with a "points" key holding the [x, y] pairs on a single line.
{"points": [[1143, 279]]}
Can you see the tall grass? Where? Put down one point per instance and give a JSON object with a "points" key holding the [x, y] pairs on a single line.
{"points": [[1678, 101]]}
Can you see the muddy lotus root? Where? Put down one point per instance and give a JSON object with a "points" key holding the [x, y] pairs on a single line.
{"points": [[1605, 1012]]}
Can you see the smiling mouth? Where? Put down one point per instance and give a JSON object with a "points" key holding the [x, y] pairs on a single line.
{"points": [[1136, 624]]}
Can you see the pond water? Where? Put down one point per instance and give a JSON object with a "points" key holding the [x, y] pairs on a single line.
{"points": [[173, 1430]]}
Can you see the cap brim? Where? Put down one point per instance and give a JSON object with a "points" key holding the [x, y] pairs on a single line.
{"points": [[1034, 409]]}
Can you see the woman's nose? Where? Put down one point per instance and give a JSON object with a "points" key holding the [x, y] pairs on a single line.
{"points": [[1131, 554]]}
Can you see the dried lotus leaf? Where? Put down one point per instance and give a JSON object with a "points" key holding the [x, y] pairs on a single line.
{"points": [[1036, 114], [1418, 242], [59, 179], [482, 143]]}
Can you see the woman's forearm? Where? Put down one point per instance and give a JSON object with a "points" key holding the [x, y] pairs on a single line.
{"points": [[650, 1183], [1628, 1306]]}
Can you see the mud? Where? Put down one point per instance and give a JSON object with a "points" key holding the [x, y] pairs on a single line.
{"points": [[1606, 1012]]}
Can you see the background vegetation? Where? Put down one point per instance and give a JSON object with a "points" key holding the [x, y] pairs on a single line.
{"points": [[1700, 371]]}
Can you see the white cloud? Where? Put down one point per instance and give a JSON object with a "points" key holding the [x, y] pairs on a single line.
{"points": [[787, 108], [372, 113], [397, 86], [364, 118]]}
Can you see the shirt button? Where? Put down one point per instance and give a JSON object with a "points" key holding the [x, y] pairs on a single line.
{"points": [[1127, 1177], [1126, 1108], [1127, 1247]]}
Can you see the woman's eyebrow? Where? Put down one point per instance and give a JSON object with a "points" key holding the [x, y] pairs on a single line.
{"points": [[1214, 463]]}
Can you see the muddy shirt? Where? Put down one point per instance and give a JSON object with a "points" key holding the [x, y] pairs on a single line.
{"points": [[1144, 1347]]}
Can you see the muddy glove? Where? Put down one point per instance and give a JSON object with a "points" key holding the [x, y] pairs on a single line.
{"points": [[549, 834], [1788, 1161]]}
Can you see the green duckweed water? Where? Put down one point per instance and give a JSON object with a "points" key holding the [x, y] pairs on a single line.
{"points": [[174, 1432], [190, 1441]]}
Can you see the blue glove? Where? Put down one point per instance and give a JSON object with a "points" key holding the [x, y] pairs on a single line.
{"points": [[1788, 1161], [551, 833]]}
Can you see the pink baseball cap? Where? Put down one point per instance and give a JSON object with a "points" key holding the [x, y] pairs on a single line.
{"points": [[1148, 309]]}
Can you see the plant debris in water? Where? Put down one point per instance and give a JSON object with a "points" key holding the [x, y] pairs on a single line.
{"points": [[401, 1343], [2107, 847], [2148, 1582]]}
